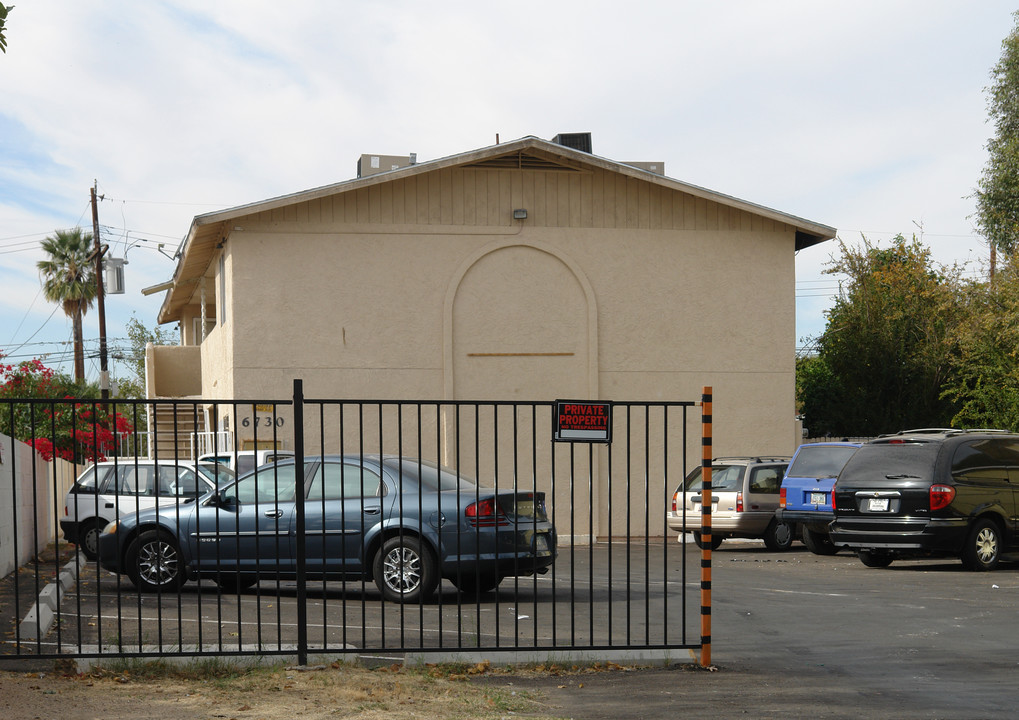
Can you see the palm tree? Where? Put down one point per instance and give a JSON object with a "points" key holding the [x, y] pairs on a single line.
{"points": [[69, 278]]}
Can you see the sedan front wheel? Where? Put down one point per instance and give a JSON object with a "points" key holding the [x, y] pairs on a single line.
{"points": [[154, 563]]}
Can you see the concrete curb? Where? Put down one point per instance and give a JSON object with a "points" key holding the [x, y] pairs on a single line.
{"points": [[40, 618], [184, 654]]}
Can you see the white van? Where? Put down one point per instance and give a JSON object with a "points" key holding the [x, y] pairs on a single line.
{"points": [[244, 461], [117, 487]]}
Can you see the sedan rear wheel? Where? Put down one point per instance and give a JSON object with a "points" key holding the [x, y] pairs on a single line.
{"points": [[154, 563], [404, 570], [983, 547]]}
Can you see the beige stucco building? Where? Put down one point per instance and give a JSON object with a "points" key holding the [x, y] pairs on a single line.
{"points": [[527, 270]]}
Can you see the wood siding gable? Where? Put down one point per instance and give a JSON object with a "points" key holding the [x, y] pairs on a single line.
{"points": [[485, 197]]}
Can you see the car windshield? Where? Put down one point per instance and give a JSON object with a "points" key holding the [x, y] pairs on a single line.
{"points": [[217, 472], [429, 475], [723, 477], [820, 461]]}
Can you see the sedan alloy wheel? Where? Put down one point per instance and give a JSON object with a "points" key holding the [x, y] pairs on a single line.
{"points": [[154, 563], [404, 570]]}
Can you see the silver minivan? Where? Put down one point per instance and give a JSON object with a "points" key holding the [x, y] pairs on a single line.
{"points": [[112, 488]]}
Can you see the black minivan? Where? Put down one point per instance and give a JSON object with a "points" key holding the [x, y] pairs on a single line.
{"points": [[930, 492]]}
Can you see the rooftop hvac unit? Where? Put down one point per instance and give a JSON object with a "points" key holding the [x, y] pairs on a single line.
{"points": [[577, 141], [369, 164]]}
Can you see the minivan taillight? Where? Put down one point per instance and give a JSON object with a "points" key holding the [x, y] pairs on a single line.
{"points": [[675, 505], [781, 497], [739, 502], [941, 496]]}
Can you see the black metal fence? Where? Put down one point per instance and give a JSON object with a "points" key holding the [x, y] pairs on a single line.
{"points": [[559, 549]]}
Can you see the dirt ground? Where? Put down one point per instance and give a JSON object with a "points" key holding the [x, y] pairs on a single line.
{"points": [[323, 692], [342, 691]]}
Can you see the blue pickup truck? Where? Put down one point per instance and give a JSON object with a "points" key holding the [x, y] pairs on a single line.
{"points": [[805, 497]]}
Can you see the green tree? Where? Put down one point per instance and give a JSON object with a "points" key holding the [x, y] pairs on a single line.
{"points": [[997, 195], [818, 396], [888, 344], [140, 336], [984, 384], [68, 278], [3, 26]]}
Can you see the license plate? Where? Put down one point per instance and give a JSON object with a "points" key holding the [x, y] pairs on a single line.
{"points": [[878, 505], [817, 498], [525, 508]]}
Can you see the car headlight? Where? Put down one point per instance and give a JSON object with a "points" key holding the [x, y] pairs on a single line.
{"points": [[110, 529]]}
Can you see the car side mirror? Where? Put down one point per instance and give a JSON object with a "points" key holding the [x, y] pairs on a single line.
{"points": [[222, 500]]}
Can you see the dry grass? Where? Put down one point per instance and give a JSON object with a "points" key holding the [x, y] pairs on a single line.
{"points": [[214, 689]]}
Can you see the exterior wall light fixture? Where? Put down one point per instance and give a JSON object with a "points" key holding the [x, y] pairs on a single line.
{"points": [[520, 214]]}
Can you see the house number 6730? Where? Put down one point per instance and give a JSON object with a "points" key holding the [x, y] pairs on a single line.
{"points": [[262, 422]]}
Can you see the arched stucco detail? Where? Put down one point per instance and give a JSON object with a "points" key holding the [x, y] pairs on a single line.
{"points": [[449, 386]]}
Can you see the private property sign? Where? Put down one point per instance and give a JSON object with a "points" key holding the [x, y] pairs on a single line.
{"points": [[582, 421]]}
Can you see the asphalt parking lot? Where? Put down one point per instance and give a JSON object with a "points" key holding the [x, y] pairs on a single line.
{"points": [[802, 636]]}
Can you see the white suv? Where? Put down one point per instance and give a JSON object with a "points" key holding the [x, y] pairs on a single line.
{"points": [[116, 487], [244, 461]]}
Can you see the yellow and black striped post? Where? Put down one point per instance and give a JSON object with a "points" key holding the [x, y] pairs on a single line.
{"points": [[706, 527]]}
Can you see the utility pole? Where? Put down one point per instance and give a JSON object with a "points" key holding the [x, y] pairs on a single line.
{"points": [[104, 373]]}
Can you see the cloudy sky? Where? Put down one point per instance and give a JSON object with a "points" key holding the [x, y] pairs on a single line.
{"points": [[866, 115]]}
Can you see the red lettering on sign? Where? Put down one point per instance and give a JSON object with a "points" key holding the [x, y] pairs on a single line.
{"points": [[583, 417], [583, 422]]}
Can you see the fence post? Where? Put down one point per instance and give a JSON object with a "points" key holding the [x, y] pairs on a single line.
{"points": [[706, 527], [302, 581]]}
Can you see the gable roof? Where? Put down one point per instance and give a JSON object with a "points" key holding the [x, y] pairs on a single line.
{"points": [[528, 153]]}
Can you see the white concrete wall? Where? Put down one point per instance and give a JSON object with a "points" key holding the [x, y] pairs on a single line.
{"points": [[31, 502]]}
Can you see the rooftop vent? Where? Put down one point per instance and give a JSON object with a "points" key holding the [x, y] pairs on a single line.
{"points": [[577, 141]]}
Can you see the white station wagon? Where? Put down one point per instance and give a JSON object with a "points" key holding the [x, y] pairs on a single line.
{"points": [[112, 488]]}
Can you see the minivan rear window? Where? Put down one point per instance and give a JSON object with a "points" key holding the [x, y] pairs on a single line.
{"points": [[891, 460], [820, 461]]}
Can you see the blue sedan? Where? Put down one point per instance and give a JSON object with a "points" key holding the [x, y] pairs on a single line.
{"points": [[403, 522]]}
